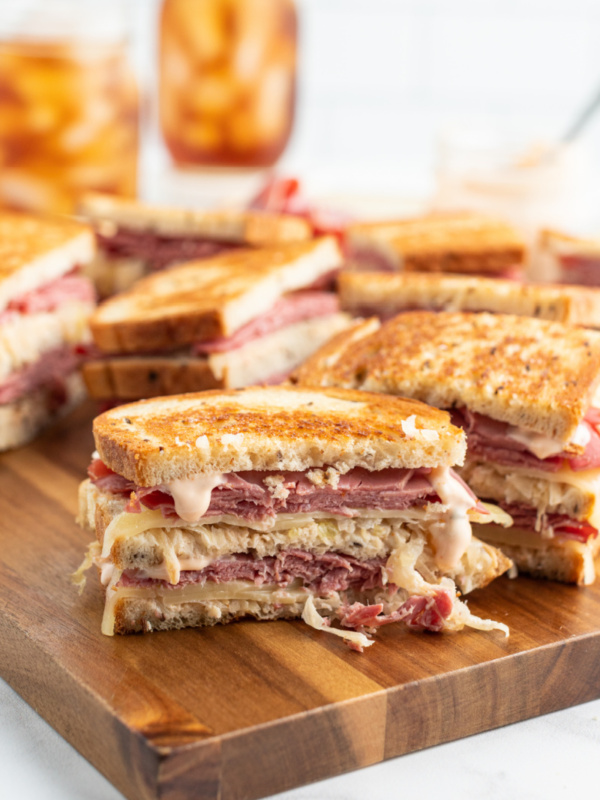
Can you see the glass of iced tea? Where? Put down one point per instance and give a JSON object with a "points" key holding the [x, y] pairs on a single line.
{"points": [[227, 80], [68, 103]]}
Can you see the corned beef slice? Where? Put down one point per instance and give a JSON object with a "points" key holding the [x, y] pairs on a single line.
{"points": [[50, 296], [487, 439], [330, 572], [292, 308], [559, 525], [245, 495], [50, 369], [159, 251]]}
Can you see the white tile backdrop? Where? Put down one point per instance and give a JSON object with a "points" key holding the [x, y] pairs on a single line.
{"points": [[379, 78]]}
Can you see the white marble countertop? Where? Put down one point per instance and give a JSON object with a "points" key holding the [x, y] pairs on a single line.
{"points": [[554, 756]]}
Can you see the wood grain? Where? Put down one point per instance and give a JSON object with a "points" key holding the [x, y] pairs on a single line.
{"points": [[248, 709]]}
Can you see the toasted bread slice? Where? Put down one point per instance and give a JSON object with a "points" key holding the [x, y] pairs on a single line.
{"points": [[458, 242], [320, 368], [155, 441], [386, 294], [203, 300], [555, 559], [531, 373], [251, 228], [35, 250], [266, 359]]}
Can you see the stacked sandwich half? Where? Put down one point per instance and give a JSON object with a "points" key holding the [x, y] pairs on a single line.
{"points": [[135, 239], [244, 317], [279, 502], [526, 393], [44, 307]]}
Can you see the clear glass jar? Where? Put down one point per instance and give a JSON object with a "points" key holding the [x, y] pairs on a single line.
{"points": [[69, 108], [523, 179], [227, 80]]}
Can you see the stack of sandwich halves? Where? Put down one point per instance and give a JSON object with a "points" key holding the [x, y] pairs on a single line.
{"points": [[525, 391]]}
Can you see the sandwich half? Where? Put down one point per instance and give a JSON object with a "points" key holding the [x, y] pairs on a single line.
{"points": [[459, 242], [567, 259], [526, 393], [385, 294], [135, 239], [244, 317], [282, 502], [45, 304]]}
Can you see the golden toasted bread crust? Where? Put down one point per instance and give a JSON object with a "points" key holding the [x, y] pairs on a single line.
{"points": [[386, 294], [202, 300], [253, 228], [315, 370], [461, 242], [35, 250], [132, 378], [271, 428], [527, 372], [25, 237]]}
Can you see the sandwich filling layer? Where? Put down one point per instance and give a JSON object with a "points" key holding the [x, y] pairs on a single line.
{"points": [[264, 350], [41, 336], [549, 488], [156, 250], [368, 548]]}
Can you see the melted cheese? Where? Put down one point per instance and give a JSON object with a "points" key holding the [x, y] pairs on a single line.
{"points": [[231, 590], [543, 446], [192, 495], [452, 535]]}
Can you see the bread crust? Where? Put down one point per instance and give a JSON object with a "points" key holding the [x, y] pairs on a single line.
{"points": [[387, 294], [133, 377], [316, 369], [271, 428], [254, 228], [205, 299], [532, 373], [454, 242]]}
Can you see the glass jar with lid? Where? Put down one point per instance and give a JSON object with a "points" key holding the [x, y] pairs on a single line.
{"points": [[68, 103], [227, 80]]}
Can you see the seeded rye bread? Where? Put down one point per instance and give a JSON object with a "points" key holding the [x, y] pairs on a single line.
{"points": [[285, 428], [386, 294], [202, 300], [527, 372], [253, 228]]}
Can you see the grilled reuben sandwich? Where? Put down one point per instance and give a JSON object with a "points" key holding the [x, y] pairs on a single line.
{"points": [[459, 242], [135, 239], [526, 393], [240, 318], [385, 294], [44, 307], [270, 502]]}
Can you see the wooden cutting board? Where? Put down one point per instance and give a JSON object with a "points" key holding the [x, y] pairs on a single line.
{"points": [[249, 709]]}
